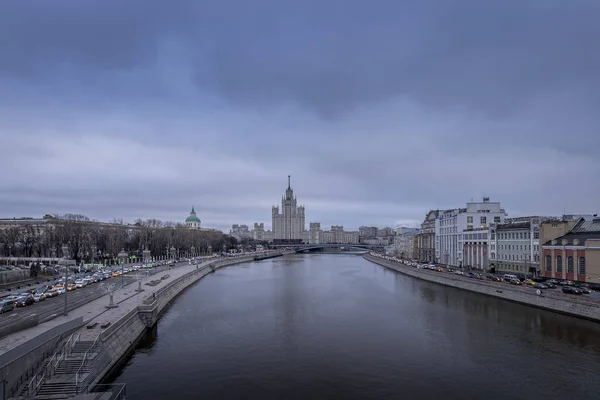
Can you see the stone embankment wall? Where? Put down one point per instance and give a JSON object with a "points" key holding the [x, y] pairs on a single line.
{"points": [[572, 305], [121, 336]]}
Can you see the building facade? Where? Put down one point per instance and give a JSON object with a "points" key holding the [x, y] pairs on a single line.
{"points": [[404, 244], [574, 255], [515, 245], [451, 226], [240, 232], [259, 233], [368, 232], [425, 249], [289, 224]]}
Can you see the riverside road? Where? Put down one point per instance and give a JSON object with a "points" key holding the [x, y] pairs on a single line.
{"points": [[341, 327], [54, 306]]}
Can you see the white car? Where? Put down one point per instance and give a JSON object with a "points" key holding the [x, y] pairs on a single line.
{"points": [[79, 283], [39, 296]]}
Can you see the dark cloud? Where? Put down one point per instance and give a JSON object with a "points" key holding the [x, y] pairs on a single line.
{"points": [[379, 109]]}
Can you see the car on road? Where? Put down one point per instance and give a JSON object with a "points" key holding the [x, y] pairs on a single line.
{"points": [[540, 286], [25, 300], [39, 295], [51, 293], [571, 290], [6, 306], [12, 298], [583, 289]]}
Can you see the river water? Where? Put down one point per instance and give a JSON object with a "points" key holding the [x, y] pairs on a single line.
{"points": [[340, 327]]}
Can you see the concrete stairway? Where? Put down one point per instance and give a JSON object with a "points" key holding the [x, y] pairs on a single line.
{"points": [[56, 390], [63, 383], [82, 347]]}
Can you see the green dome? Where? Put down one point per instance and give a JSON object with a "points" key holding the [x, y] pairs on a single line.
{"points": [[192, 217]]}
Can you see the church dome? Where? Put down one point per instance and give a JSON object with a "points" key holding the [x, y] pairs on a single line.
{"points": [[192, 217]]}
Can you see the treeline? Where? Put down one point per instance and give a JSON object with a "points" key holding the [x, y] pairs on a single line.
{"points": [[89, 240]]}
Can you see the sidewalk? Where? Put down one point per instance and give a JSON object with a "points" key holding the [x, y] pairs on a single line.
{"points": [[126, 298]]}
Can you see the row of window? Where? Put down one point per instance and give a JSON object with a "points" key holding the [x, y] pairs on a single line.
{"points": [[570, 265], [526, 247], [483, 220], [516, 257], [518, 235]]}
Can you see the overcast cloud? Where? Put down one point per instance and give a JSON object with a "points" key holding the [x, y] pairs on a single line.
{"points": [[380, 110]]}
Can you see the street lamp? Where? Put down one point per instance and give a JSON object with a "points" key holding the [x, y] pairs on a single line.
{"points": [[122, 256], [94, 248], [65, 250], [193, 249]]}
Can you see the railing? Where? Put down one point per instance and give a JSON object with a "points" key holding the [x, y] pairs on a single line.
{"points": [[48, 372], [85, 356], [117, 391]]}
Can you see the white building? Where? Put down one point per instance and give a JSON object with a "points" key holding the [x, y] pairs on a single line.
{"points": [[451, 226], [289, 225], [192, 221], [515, 246], [259, 233]]}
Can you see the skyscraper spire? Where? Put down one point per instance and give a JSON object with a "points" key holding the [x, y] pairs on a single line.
{"points": [[289, 184]]}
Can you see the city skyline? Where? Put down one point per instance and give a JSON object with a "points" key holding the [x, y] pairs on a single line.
{"points": [[380, 113]]}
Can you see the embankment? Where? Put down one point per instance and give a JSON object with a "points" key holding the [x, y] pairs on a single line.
{"points": [[573, 306], [119, 339]]}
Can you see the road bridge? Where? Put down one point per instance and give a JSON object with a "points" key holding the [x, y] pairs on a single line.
{"points": [[301, 248]]}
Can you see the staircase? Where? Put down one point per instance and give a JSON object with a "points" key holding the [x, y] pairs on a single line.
{"points": [[74, 373]]}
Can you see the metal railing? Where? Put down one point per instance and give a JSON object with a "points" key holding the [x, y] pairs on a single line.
{"points": [[117, 391], [85, 356], [61, 353]]}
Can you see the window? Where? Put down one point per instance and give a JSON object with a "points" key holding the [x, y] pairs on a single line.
{"points": [[536, 234], [570, 266], [548, 264], [483, 220], [493, 255], [496, 219], [493, 236], [581, 270], [559, 264], [469, 220]]}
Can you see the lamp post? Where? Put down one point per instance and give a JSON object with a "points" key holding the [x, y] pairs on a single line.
{"points": [[122, 257], [193, 250], [65, 250], [167, 251]]}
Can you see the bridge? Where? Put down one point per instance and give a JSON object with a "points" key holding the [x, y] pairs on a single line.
{"points": [[299, 248]]}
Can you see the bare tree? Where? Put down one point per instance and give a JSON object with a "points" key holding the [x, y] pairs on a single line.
{"points": [[110, 289]]}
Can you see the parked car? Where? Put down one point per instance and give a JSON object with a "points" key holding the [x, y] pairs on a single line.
{"points": [[493, 278], [6, 306], [39, 296], [540, 286], [571, 290], [584, 289], [25, 300]]}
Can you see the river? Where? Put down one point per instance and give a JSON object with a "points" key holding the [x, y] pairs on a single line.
{"points": [[340, 327]]}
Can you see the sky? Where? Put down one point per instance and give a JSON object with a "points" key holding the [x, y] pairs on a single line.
{"points": [[379, 110]]}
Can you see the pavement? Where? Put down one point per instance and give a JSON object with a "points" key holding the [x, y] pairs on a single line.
{"points": [[126, 298]]}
